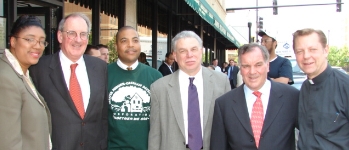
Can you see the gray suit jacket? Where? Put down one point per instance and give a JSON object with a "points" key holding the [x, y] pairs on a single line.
{"points": [[167, 129], [25, 120], [69, 131], [231, 128]]}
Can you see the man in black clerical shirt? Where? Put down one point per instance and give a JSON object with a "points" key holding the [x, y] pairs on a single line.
{"points": [[324, 96]]}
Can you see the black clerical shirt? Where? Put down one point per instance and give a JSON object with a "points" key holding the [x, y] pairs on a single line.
{"points": [[324, 112]]}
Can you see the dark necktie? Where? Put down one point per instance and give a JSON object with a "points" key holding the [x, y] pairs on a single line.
{"points": [[194, 124], [75, 91], [231, 73]]}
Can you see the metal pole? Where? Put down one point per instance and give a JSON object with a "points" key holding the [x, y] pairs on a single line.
{"points": [[256, 22], [279, 6], [249, 24]]}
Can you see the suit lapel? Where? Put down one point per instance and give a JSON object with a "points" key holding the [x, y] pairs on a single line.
{"points": [[58, 81], [175, 100], [208, 93], [274, 105], [92, 76], [240, 108]]}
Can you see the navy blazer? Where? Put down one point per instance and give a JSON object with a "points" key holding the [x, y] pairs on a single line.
{"points": [[69, 131], [231, 128], [164, 69]]}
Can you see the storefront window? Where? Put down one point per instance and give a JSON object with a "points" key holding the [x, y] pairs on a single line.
{"points": [[1, 7]]}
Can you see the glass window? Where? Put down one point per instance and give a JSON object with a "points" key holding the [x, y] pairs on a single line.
{"points": [[1, 7]]}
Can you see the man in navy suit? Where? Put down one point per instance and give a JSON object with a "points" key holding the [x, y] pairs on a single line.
{"points": [[261, 114], [166, 67], [75, 125], [232, 72]]}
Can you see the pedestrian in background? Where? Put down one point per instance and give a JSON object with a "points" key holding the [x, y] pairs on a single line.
{"points": [[280, 68], [166, 67]]}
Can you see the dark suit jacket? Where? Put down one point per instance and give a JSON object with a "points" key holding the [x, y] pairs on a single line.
{"points": [[234, 81], [164, 69], [231, 128], [69, 131]]}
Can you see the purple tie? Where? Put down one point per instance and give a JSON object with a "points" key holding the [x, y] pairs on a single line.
{"points": [[194, 125]]}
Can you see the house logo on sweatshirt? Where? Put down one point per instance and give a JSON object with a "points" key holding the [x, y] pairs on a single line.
{"points": [[130, 101]]}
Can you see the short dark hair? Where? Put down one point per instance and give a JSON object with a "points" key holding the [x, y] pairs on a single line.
{"points": [[89, 47], [102, 46], [122, 29], [168, 54], [23, 22]]}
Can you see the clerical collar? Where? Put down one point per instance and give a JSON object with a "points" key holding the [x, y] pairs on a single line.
{"points": [[322, 76]]}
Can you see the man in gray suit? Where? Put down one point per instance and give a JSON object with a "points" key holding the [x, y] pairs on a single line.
{"points": [[261, 114], [175, 113]]}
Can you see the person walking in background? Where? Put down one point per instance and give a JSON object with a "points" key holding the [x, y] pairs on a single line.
{"points": [[129, 95], [74, 86], [280, 68], [261, 114], [104, 52], [25, 118], [232, 72], [324, 96], [166, 66], [182, 103], [215, 64], [143, 58], [92, 51], [224, 66]]}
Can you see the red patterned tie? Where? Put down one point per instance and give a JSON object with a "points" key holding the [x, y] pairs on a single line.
{"points": [[75, 91], [257, 117]]}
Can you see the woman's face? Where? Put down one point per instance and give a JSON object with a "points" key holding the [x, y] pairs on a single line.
{"points": [[28, 45]]}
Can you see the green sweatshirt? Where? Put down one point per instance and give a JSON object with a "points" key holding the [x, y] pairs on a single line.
{"points": [[129, 106]]}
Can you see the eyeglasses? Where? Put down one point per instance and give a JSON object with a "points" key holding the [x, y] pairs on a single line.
{"points": [[72, 35], [34, 42]]}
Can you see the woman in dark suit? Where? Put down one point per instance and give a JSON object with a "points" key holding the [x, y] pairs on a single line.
{"points": [[25, 118]]}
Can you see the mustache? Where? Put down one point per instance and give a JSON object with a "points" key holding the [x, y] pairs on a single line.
{"points": [[131, 49]]}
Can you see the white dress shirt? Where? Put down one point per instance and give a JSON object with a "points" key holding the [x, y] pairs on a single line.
{"points": [[183, 86], [251, 98], [217, 68], [123, 66], [81, 74]]}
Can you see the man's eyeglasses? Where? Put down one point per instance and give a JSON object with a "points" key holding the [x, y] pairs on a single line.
{"points": [[72, 35], [34, 42]]}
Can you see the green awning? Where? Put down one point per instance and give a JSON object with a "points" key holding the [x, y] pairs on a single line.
{"points": [[210, 16]]}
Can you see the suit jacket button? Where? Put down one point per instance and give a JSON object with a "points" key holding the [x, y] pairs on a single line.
{"points": [[81, 144], [82, 123], [251, 140]]}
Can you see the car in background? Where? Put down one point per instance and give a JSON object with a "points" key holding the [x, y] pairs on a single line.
{"points": [[339, 69], [298, 75]]}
